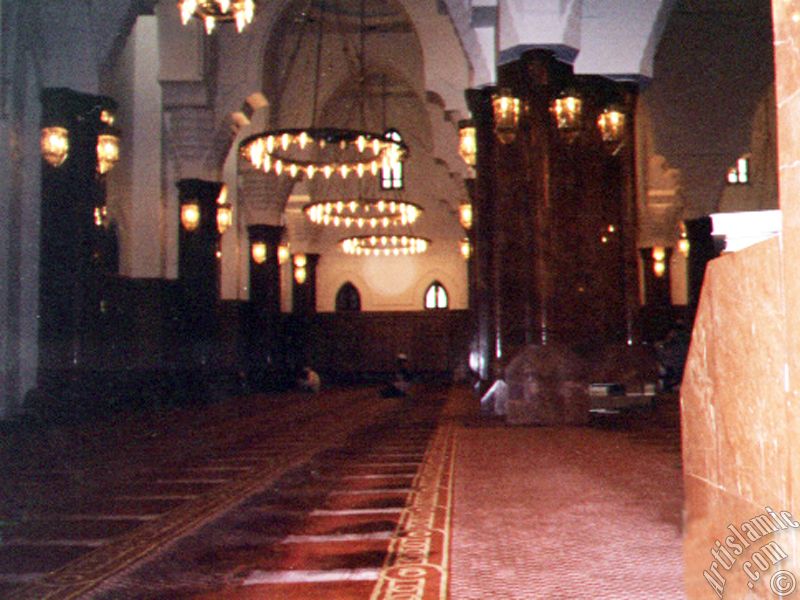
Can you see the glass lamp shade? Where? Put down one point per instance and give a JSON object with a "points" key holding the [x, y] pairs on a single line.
{"points": [[465, 215], [283, 254], [466, 248], [107, 152], [611, 124], [190, 216], [684, 246], [567, 111], [300, 260], [659, 268], [658, 253], [54, 144], [506, 110], [224, 217], [258, 250], [468, 142], [300, 275]]}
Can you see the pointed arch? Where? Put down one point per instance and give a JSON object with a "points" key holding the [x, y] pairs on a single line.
{"points": [[436, 296], [348, 298]]}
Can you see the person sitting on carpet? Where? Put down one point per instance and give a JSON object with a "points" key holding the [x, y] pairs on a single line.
{"points": [[309, 380], [401, 384]]}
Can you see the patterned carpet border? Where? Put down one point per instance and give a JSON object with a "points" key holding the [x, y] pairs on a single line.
{"points": [[417, 566]]}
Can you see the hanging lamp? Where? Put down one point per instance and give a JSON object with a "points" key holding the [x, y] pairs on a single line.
{"points": [[322, 151], [212, 12], [384, 245]]}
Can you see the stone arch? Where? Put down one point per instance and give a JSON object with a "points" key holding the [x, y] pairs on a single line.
{"points": [[248, 51]]}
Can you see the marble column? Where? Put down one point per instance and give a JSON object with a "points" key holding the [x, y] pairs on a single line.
{"points": [[265, 284], [71, 262], [198, 268], [555, 221]]}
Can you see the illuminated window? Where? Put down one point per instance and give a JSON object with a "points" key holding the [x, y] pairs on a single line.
{"points": [[348, 298], [739, 173], [392, 176], [436, 296]]}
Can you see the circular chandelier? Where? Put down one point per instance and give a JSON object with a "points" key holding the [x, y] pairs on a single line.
{"points": [[362, 213], [213, 11], [384, 245], [322, 151], [326, 151]]}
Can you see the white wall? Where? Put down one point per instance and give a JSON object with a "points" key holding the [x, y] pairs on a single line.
{"points": [[20, 177]]}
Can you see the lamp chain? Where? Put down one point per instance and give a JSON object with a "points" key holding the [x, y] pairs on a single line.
{"points": [[317, 67]]}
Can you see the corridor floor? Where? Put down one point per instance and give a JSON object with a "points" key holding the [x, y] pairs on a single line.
{"points": [[343, 495]]}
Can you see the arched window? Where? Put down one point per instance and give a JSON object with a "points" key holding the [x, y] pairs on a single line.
{"points": [[392, 177], [436, 296], [348, 298]]}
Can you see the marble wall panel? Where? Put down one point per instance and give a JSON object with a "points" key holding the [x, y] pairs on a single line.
{"points": [[698, 424], [750, 360], [735, 434], [786, 26]]}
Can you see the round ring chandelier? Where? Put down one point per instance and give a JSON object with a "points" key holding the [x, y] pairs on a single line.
{"points": [[384, 245], [322, 151], [362, 213], [212, 12]]}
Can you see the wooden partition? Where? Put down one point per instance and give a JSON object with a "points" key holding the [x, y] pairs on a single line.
{"points": [[361, 346]]}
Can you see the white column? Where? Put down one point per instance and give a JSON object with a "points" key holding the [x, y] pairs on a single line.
{"points": [[134, 191]]}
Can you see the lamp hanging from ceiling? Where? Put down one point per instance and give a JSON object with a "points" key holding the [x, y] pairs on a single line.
{"points": [[224, 210], [359, 204], [611, 123], [107, 152], [212, 12], [190, 215], [506, 108], [468, 142], [684, 245], [362, 213], [300, 274], [567, 110], [258, 251], [384, 245], [284, 252], [54, 143], [465, 214], [325, 151], [466, 248], [659, 256]]}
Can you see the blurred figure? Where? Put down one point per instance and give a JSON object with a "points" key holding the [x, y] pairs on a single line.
{"points": [[309, 380], [671, 353], [401, 384]]}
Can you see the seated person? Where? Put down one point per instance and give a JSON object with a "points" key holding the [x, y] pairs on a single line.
{"points": [[401, 384], [309, 380]]}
